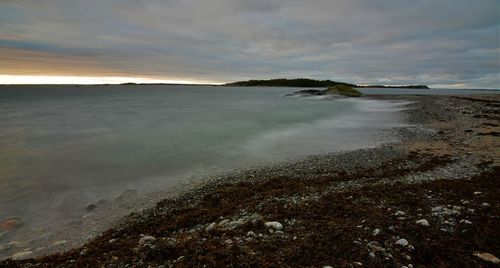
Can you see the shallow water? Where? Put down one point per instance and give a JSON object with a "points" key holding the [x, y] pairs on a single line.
{"points": [[66, 146]]}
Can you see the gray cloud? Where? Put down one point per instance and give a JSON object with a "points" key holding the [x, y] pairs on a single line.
{"points": [[448, 42]]}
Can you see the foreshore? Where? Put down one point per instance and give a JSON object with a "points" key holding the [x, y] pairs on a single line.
{"points": [[429, 200]]}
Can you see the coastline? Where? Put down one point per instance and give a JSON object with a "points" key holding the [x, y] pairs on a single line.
{"points": [[330, 206]]}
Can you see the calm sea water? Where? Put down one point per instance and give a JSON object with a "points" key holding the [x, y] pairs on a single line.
{"points": [[63, 147], [434, 91]]}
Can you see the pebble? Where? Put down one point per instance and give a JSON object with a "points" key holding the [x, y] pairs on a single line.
{"points": [[91, 207], [59, 243], [487, 257], [274, 225], [402, 242], [210, 227], [11, 224], [111, 241], [422, 222], [21, 255], [251, 234], [376, 232], [485, 204], [465, 222], [399, 213], [147, 240]]}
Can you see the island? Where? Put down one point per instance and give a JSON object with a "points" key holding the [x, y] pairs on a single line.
{"points": [[299, 82]]}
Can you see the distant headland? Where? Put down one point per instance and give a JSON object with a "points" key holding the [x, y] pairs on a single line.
{"points": [[300, 82], [305, 82]]}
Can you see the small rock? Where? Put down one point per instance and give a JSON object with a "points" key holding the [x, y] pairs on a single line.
{"points": [[21, 255], [147, 240], [11, 224], [477, 193], [371, 255], [274, 225], [111, 241], [171, 241], [91, 207], [465, 222], [228, 241], [223, 223], [402, 242], [399, 213], [487, 257], [392, 228], [485, 204], [327, 266], [376, 232], [422, 222], [210, 227], [357, 263], [59, 243]]}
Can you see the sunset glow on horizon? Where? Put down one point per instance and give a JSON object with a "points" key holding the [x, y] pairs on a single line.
{"points": [[90, 80]]}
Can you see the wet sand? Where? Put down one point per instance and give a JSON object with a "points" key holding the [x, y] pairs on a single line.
{"points": [[429, 200]]}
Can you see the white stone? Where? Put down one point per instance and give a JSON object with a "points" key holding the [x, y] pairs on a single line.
{"points": [[422, 222], [21, 255], [399, 213], [477, 193], [402, 242], [465, 222], [485, 204], [274, 225], [210, 227], [376, 232], [147, 240]]}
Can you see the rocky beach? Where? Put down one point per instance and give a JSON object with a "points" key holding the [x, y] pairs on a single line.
{"points": [[430, 200]]}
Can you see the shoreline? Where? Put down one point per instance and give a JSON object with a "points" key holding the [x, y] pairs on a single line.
{"points": [[320, 203]]}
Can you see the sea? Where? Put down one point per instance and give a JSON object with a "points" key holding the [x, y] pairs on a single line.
{"points": [[64, 147]]}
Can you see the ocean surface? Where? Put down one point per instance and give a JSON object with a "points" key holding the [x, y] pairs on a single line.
{"points": [[433, 91], [63, 147]]}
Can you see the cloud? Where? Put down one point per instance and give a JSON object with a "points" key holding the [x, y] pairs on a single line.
{"points": [[446, 42]]}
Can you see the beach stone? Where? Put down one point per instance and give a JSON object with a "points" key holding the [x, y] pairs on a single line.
{"points": [[210, 227], [59, 243], [147, 240], [21, 255], [223, 223], [485, 204], [402, 242], [422, 222], [376, 232], [11, 223], [274, 225], [487, 257], [399, 213], [91, 207]]}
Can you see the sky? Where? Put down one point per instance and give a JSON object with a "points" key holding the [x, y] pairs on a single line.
{"points": [[442, 43]]}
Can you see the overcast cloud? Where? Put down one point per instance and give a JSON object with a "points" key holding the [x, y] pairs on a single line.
{"points": [[442, 43]]}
